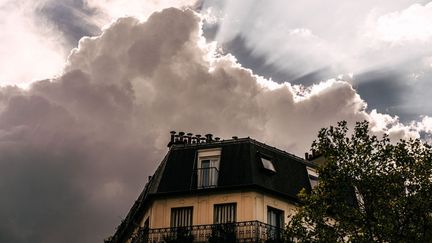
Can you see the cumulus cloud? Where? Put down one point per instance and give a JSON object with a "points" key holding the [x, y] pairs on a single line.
{"points": [[76, 150], [410, 24], [114, 9], [34, 30]]}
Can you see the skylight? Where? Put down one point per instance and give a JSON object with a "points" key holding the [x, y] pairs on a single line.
{"points": [[267, 164]]}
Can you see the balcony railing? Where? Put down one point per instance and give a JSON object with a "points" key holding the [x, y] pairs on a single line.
{"points": [[249, 231], [205, 178]]}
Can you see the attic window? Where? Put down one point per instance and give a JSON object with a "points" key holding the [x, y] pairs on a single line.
{"points": [[268, 164], [208, 167], [313, 177]]}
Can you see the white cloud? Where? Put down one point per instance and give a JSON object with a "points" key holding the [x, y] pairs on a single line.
{"points": [[25, 42], [113, 9], [411, 24]]}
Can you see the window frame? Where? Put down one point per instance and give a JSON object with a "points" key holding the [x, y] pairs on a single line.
{"points": [[174, 221], [216, 214], [279, 212]]}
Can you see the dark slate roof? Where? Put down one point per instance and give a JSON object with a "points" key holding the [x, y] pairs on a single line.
{"points": [[240, 168]]}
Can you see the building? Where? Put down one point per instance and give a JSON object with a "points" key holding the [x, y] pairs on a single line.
{"points": [[213, 190]]}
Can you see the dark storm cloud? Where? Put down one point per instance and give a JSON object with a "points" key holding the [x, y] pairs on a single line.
{"points": [[75, 151], [401, 90], [383, 89], [71, 17]]}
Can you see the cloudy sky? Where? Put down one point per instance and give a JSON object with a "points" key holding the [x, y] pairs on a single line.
{"points": [[91, 88]]}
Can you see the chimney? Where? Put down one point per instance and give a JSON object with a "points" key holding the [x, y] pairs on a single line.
{"points": [[235, 137], [189, 138], [172, 139], [217, 139], [181, 137], [198, 137], [209, 137]]}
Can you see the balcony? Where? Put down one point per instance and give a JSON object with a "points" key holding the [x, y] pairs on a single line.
{"points": [[248, 231], [205, 178]]}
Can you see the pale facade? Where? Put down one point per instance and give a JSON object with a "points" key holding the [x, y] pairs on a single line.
{"points": [[250, 206]]}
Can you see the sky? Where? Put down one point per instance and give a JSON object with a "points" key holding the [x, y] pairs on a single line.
{"points": [[91, 88]]}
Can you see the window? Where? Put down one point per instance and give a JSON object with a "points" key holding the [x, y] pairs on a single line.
{"points": [[208, 167], [266, 163], [275, 219], [181, 217], [313, 177], [225, 213]]}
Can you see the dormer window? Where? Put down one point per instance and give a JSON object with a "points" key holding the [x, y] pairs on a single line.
{"points": [[208, 167], [313, 177]]}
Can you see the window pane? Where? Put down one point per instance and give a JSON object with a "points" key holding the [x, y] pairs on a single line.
{"points": [[268, 165], [313, 177], [207, 172], [275, 217]]}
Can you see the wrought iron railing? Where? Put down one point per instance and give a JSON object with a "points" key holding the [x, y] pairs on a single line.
{"points": [[249, 231], [205, 178]]}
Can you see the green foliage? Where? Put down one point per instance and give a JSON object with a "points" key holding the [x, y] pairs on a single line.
{"points": [[369, 190]]}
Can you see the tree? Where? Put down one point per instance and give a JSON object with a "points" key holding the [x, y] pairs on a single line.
{"points": [[370, 190]]}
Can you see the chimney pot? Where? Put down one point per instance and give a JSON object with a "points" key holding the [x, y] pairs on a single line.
{"points": [[217, 139], [189, 138], [235, 137], [181, 138], [306, 156], [209, 137], [172, 138]]}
